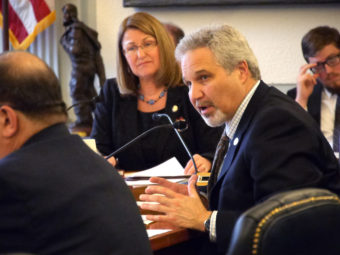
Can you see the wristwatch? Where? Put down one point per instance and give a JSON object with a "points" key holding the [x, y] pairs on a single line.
{"points": [[207, 224]]}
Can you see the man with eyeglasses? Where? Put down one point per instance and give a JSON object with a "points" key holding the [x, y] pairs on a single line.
{"points": [[318, 83]]}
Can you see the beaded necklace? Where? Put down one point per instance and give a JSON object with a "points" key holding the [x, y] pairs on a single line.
{"points": [[152, 101]]}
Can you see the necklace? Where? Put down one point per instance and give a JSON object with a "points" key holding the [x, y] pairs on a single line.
{"points": [[152, 101]]}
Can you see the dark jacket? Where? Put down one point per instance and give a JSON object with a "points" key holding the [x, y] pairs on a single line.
{"points": [[314, 101], [276, 147], [116, 123], [59, 197]]}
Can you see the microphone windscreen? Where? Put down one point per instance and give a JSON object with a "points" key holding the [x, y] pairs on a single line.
{"points": [[180, 125], [156, 116]]}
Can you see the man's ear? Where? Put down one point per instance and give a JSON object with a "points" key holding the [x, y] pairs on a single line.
{"points": [[9, 121], [243, 70]]}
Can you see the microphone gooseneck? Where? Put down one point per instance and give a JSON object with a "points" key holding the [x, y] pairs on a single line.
{"points": [[157, 116]]}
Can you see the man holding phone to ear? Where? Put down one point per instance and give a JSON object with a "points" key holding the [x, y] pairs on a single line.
{"points": [[318, 83]]}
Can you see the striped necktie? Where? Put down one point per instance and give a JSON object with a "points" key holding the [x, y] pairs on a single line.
{"points": [[220, 153], [336, 130]]}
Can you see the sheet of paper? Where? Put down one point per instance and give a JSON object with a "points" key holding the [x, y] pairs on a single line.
{"points": [[170, 167], [146, 182], [145, 220], [154, 232], [92, 144]]}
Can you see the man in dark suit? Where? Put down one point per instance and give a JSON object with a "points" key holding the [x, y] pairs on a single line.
{"points": [[318, 83], [56, 195], [274, 145]]}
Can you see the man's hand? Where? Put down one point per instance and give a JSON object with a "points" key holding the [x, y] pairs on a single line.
{"points": [[203, 165], [179, 209], [305, 84], [175, 187]]}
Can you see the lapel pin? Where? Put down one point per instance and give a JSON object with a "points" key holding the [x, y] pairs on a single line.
{"points": [[235, 141], [175, 108]]}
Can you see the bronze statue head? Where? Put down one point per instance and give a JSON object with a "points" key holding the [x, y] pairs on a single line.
{"points": [[70, 14]]}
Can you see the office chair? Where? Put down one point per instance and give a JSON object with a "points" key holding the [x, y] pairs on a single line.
{"points": [[299, 222]]}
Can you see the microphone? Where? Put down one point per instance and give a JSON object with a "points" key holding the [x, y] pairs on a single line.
{"points": [[157, 116], [91, 101], [176, 125]]}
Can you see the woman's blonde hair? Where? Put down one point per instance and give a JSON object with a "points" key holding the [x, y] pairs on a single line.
{"points": [[169, 73]]}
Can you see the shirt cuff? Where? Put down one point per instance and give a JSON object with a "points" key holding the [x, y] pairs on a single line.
{"points": [[212, 230]]}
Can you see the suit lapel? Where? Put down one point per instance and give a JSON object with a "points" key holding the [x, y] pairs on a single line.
{"points": [[236, 142], [314, 102]]}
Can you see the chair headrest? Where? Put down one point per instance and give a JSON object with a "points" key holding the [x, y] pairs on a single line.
{"points": [[286, 222]]}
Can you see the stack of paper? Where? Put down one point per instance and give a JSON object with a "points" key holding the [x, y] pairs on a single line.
{"points": [[170, 169]]}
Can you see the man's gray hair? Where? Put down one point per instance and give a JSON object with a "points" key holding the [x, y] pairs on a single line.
{"points": [[227, 44]]}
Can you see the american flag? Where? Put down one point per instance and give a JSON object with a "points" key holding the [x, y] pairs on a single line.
{"points": [[27, 18]]}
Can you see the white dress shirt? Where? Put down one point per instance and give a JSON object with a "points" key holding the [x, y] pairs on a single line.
{"points": [[327, 114]]}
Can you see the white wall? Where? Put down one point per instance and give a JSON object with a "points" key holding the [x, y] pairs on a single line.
{"points": [[274, 32]]}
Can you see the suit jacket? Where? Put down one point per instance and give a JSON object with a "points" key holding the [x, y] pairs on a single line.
{"points": [[314, 101], [116, 123], [58, 197], [276, 147]]}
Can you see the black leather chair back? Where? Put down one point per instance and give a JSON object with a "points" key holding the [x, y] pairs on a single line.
{"points": [[299, 222]]}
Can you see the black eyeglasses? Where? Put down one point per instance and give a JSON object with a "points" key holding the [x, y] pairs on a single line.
{"points": [[331, 61], [146, 46]]}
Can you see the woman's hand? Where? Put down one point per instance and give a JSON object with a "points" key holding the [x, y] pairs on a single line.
{"points": [[112, 161], [203, 165]]}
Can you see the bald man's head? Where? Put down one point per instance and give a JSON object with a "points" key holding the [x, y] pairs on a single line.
{"points": [[27, 84], [21, 63]]}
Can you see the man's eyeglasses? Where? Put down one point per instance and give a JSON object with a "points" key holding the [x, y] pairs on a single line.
{"points": [[145, 46], [331, 61]]}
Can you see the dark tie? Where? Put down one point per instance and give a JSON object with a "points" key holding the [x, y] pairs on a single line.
{"points": [[336, 131], [221, 150]]}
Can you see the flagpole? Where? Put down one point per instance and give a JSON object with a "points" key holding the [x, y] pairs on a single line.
{"points": [[5, 36]]}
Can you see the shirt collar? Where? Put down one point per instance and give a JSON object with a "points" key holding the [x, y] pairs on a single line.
{"points": [[327, 93], [231, 126]]}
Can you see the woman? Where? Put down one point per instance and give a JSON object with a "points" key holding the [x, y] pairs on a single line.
{"points": [[149, 81]]}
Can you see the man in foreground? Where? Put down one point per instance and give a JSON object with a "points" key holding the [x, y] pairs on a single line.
{"points": [[274, 145], [56, 195]]}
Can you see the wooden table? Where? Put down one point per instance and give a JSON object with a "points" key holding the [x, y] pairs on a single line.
{"points": [[177, 241]]}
